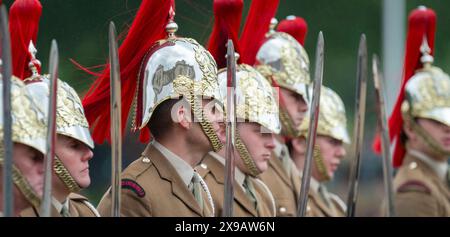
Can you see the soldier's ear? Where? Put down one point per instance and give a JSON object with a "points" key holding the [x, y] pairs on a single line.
{"points": [[221, 132], [409, 132], [182, 115]]}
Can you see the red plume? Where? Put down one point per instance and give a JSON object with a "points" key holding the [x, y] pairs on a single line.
{"points": [[255, 29], [147, 27], [421, 23], [295, 26], [24, 18], [227, 21]]}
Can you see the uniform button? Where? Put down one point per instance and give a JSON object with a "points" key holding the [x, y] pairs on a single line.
{"points": [[145, 159], [412, 165], [282, 209], [204, 166]]}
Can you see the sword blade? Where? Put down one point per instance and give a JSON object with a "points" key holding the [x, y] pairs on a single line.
{"points": [[360, 110], [230, 132], [312, 130], [384, 134], [8, 200], [51, 130], [116, 122]]}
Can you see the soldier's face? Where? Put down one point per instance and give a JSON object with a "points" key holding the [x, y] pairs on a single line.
{"points": [[75, 156], [30, 162], [438, 131], [295, 105], [332, 151], [259, 144]]}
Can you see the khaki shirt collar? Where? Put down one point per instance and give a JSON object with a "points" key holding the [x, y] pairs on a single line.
{"points": [[183, 169], [239, 176], [313, 184], [58, 206], [440, 168]]}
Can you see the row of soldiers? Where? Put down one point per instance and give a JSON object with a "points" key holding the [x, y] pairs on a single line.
{"points": [[177, 91]]}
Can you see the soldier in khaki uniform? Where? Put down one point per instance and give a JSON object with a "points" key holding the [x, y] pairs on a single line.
{"points": [[329, 151], [74, 142], [422, 133], [257, 116], [28, 136], [175, 91], [284, 62]]}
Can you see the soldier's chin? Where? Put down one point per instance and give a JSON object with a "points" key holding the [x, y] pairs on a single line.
{"points": [[262, 166]]}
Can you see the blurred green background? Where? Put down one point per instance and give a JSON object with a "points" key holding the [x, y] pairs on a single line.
{"points": [[80, 27]]}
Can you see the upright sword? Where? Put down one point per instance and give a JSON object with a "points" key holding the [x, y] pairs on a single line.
{"points": [[360, 111], [312, 130], [230, 131], [51, 130], [116, 122], [384, 135], [8, 201]]}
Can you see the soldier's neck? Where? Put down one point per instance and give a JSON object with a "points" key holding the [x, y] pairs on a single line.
{"points": [[428, 152], [191, 154], [299, 159]]}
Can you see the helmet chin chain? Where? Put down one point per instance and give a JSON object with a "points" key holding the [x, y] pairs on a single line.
{"points": [[287, 126], [436, 148], [320, 164], [246, 157], [64, 176], [206, 125]]}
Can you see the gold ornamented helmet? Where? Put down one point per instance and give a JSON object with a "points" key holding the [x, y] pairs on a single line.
{"points": [[28, 122], [70, 118], [332, 119], [179, 67], [255, 101], [427, 95], [285, 60], [28, 128], [173, 68]]}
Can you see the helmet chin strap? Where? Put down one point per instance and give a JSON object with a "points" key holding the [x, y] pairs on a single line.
{"points": [[64, 175], [287, 125], [246, 157], [206, 125], [320, 164], [436, 148]]}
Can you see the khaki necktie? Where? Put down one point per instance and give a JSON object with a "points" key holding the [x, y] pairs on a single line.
{"points": [[196, 188], [250, 191], [65, 211], [324, 195]]}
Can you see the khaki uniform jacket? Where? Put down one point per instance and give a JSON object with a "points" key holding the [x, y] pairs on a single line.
{"points": [[212, 171], [79, 206], [152, 187], [285, 189], [318, 208], [419, 191]]}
